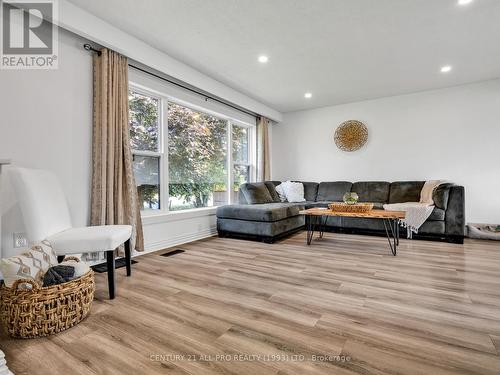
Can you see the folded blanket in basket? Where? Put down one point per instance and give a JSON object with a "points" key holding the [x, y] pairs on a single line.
{"points": [[58, 275]]}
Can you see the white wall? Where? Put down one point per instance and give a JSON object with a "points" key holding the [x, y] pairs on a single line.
{"points": [[449, 134], [46, 122]]}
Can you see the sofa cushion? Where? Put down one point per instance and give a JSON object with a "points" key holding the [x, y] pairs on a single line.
{"points": [[260, 212], [333, 191], [405, 191], [440, 195], [432, 227], [310, 190], [260, 229], [272, 190], [256, 193], [437, 214], [372, 191], [359, 223]]}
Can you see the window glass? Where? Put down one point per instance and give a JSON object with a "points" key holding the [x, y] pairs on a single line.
{"points": [[147, 178], [144, 122], [240, 144], [197, 159], [241, 166]]}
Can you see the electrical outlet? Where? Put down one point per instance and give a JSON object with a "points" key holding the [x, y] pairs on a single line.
{"points": [[20, 240]]}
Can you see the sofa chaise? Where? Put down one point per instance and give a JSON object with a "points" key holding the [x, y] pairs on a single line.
{"points": [[261, 215]]}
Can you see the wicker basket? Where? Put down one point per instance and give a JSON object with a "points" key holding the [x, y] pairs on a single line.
{"points": [[344, 207], [43, 311]]}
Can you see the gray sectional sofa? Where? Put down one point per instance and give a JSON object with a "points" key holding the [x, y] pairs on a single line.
{"points": [[261, 215]]}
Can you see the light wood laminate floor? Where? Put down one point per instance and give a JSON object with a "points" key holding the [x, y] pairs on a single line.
{"points": [[229, 306]]}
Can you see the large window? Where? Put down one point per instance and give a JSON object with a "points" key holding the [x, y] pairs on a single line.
{"points": [[186, 158]]}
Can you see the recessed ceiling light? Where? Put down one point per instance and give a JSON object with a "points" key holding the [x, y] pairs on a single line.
{"points": [[263, 59], [308, 95], [446, 69], [464, 2]]}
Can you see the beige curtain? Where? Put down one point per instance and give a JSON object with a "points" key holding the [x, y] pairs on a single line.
{"points": [[263, 162], [114, 193]]}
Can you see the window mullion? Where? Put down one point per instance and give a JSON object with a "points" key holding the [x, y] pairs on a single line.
{"points": [[229, 162], [252, 154], [164, 149]]}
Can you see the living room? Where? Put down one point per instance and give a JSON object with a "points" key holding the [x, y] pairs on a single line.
{"points": [[236, 186]]}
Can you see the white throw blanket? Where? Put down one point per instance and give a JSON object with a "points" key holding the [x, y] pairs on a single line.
{"points": [[417, 212]]}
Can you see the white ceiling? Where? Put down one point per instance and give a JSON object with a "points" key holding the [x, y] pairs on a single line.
{"points": [[340, 50]]}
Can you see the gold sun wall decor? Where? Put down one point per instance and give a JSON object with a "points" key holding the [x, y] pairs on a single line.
{"points": [[351, 135]]}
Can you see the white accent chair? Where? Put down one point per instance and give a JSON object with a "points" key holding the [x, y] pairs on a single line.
{"points": [[46, 217]]}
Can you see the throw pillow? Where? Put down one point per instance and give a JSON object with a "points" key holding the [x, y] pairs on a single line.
{"points": [[294, 191], [428, 189], [256, 193], [281, 192], [31, 265], [272, 190]]}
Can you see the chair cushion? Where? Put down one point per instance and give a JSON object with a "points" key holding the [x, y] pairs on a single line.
{"points": [[90, 239], [259, 212], [405, 191], [256, 193], [333, 191], [372, 191]]}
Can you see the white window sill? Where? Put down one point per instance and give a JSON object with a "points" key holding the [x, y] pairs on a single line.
{"points": [[155, 217]]}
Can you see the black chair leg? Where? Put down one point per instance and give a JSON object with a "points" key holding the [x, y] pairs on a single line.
{"points": [[128, 258], [110, 261]]}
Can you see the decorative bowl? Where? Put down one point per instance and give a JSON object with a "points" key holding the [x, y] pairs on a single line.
{"points": [[350, 198]]}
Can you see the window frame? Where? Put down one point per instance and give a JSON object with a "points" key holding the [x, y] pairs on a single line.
{"points": [[160, 153], [164, 100], [250, 158]]}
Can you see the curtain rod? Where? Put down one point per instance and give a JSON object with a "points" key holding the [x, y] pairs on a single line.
{"points": [[88, 47]]}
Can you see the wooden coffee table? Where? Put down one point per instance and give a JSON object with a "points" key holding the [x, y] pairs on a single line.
{"points": [[318, 217]]}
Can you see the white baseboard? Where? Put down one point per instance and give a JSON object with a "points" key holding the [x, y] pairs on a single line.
{"points": [[178, 240]]}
